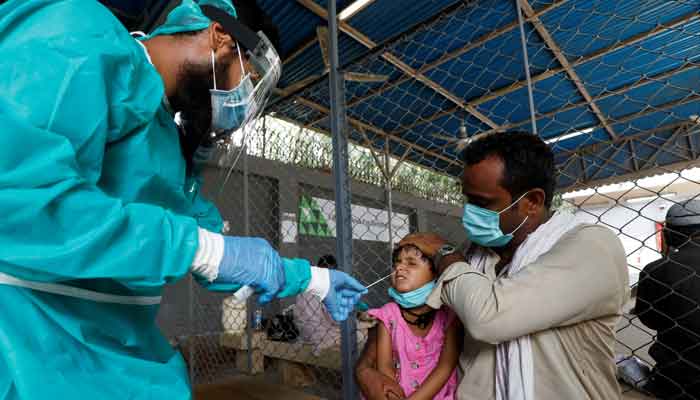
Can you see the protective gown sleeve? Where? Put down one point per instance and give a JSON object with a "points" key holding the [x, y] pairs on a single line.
{"points": [[208, 217], [74, 84], [203, 210]]}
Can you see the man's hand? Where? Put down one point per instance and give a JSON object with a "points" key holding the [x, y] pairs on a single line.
{"points": [[374, 384], [377, 386], [448, 260], [252, 261]]}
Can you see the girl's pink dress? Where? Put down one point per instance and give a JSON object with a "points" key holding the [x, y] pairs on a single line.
{"points": [[416, 357]]}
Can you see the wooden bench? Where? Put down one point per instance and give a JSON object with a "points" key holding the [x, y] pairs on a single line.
{"points": [[261, 346], [239, 342], [294, 359]]}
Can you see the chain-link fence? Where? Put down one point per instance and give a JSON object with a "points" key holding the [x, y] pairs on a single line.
{"points": [[279, 187], [612, 86]]}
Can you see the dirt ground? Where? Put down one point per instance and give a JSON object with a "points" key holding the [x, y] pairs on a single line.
{"points": [[248, 388], [256, 388]]}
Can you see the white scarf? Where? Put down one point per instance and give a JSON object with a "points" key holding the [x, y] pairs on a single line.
{"points": [[514, 367]]}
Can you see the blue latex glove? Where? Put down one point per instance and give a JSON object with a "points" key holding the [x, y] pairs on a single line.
{"points": [[343, 294], [253, 262]]}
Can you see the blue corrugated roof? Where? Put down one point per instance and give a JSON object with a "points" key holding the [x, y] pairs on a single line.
{"points": [[637, 59], [384, 19], [616, 48]]}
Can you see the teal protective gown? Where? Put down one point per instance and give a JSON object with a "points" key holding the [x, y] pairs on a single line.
{"points": [[93, 196]]}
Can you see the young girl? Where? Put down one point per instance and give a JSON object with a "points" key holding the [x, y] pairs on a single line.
{"points": [[416, 345]]}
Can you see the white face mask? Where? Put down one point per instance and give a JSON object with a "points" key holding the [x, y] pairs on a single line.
{"points": [[230, 108]]}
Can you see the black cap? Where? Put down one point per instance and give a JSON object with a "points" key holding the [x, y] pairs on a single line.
{"points": [[244, 36], [684, 214]]}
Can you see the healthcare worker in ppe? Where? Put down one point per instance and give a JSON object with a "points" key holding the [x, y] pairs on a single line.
{"points": [[99, 199]]}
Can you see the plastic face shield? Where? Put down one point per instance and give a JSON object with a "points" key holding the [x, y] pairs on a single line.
{"points": [[268, 70], [262, 58]]}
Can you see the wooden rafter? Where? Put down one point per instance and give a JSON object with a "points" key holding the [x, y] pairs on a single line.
{"points": [[392, 59], [673, 167], [363, 125], [619, 91], [670, 141], [554, 71], [593, 150], [564, 62], [452, 55], [615, 92]]}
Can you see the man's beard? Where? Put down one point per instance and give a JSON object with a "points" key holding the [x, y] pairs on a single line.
{"points": [[193, 101]]}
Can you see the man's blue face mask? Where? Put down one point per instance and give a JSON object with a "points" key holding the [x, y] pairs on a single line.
{"points": [[483, 226], [414, 298], [230, 108]]}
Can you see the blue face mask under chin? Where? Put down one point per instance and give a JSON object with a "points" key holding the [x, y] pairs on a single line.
{"points": [[414, 298], [483, 226]]}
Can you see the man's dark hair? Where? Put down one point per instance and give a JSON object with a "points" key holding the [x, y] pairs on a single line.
{"points": [[528, 161], [327, 261]]}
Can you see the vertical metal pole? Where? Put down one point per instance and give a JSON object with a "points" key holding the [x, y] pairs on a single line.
{"points": [[246, 232], [388, 176], [526, 62], [192, 334], [691, 144], [342, 197]]}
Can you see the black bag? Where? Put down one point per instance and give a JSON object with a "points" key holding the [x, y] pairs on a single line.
{"points": [[282, 329]]}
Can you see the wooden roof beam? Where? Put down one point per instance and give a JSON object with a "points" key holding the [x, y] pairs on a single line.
{"points": [[392, 59], [564, 62]]}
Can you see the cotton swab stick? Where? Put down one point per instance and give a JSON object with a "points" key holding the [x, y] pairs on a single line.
{"points": [[246, 291], [377, 281]]}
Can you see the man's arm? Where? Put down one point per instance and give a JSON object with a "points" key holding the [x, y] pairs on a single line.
{"points": [[368, 358], [583, 277], [60, 225], [373, 384]]}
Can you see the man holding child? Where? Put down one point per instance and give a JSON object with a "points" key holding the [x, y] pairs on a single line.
{"points": [[538, 294]]}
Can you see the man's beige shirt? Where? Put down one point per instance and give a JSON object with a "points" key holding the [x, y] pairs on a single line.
{"points": [[569, 302]]}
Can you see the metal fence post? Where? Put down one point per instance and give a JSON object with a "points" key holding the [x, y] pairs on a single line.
{"points": [[191, 331], [251, 302], [342, 197], [526, 64], [388, 196]]}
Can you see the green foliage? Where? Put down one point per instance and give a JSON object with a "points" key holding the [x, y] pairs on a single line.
{"points": [[560, 204]]}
